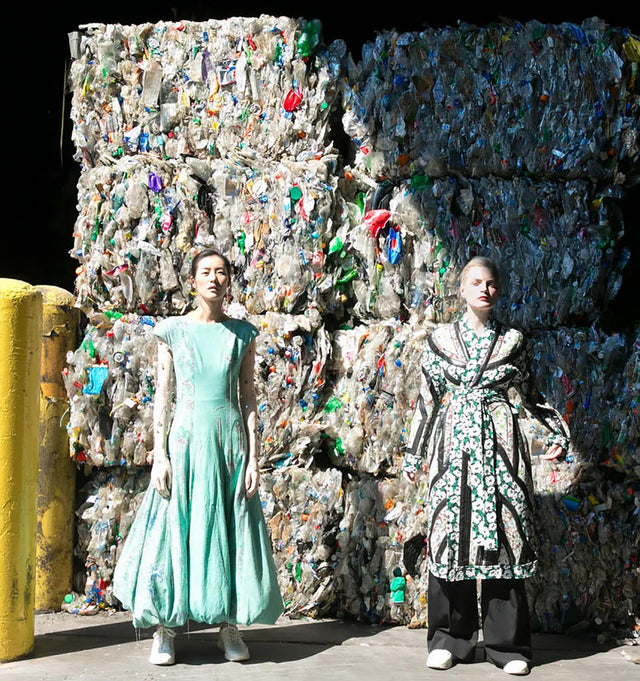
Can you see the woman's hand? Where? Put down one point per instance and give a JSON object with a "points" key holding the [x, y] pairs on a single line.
{"points": [[251, 477], [161, 476], [553, 452]]}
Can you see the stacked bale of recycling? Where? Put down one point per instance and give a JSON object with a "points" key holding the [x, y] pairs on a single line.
{"points": [[550, 101], [218, 133], [109, 381], [192, 134], [202, 89], [304, 507], [556, 244], [292, 353], [110, 497], [589, 529], [141, 218], [483, 140]]}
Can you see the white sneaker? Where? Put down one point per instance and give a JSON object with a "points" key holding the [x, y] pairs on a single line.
{"points": [[229, 640], [440, 659], [162, 648], [516, 667]]}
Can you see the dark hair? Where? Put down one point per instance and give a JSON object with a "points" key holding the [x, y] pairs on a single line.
{"points": [[205, 253]]}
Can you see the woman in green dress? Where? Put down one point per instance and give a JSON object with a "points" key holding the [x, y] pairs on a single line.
{"points": [[198, 548], [465, 433]]}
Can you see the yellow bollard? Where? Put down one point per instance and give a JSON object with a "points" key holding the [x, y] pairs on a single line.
{"points": [[56, 474], [20, 332]]}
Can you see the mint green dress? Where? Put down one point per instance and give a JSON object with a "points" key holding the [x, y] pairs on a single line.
{"points": [[203, 554]]}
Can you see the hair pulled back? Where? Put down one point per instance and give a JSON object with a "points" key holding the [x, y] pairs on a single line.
{"points": [[481, 261], [206, 253]]}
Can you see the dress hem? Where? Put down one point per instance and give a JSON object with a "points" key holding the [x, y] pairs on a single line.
{"points": [[457, 574]]}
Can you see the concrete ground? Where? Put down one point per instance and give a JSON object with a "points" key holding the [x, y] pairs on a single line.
{"points": [[103, 647]]}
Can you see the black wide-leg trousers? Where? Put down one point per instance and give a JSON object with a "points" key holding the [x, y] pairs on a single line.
{"points": [[452, 612]]}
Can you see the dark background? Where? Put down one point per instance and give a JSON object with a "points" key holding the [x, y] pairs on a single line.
{"points": [[40, 201]]}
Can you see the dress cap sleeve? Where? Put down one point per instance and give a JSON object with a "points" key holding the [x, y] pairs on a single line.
{"points": [[163, 330], [247, 331], [252, 332]]}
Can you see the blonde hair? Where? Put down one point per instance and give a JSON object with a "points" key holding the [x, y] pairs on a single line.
{"points": [[481, 261]]}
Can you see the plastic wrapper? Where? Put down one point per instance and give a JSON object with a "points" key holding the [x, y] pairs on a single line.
{"points": [[265, 86], [554, 101]]}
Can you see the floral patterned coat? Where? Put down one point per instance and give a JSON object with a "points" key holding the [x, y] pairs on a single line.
{"points": [[466, 432]]}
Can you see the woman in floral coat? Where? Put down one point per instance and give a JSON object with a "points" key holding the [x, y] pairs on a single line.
{"points": [[480, 505]]}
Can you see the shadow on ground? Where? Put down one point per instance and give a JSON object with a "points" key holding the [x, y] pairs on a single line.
{"points": [[195, 644], [549, 649]]}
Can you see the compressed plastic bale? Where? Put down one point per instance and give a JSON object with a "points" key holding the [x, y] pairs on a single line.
{"points": [[580, 371], [111, 497], [110, 384], [134, 234], [303, 508], [576, 370], [525, 98], [557, 244], [142, 219], [588, 574], [364, 275], [275, 221], [625, 435], [587, 507], [380, 516], [362, 578], [264, 85], [292, 352], [374, 381]]}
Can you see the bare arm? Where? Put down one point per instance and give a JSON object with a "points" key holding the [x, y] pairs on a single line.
{"points": [[248, 408], [161, 469]]}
